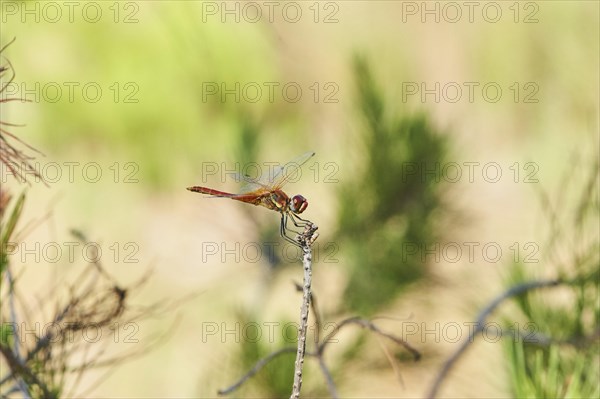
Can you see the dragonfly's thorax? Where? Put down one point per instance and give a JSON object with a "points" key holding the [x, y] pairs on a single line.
{"points": [[278, 201]]}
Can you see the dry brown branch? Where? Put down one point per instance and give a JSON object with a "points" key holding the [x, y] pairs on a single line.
{"points": [[16, 161], [257, 367], [308, 299], [306, 241], [95, 303], [480, 325], [370, 326]]}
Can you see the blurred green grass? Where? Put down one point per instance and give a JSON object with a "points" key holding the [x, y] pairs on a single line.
{"points": [[171, 52]]}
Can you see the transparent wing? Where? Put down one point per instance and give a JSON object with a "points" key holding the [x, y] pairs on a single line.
{"points": [[274, 178], [252, 184], [291, 170]]}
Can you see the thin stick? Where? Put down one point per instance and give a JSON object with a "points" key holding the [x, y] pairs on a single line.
{"points": [[369, 325], [257, 367], [307, 263], [328, 377], [483, 315]]}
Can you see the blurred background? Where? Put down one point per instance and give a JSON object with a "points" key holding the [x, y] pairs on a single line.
{"points": [[437, 128]]}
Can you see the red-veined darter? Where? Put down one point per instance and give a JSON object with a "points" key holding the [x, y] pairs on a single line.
{"points": [[267, 191]]}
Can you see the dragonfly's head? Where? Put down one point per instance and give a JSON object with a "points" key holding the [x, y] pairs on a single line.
{"points": [[298, 204]]}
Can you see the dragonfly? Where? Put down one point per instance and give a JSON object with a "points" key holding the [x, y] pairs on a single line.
{"points": [[266, 191]]}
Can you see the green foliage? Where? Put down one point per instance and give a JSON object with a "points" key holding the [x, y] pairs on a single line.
{"points": [[276, 378], [393, 205], [560, 356], [551, 373], [7, 228], [7, 334], [353, 350]]}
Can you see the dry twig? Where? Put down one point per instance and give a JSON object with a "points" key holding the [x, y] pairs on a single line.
{"points": [[480, 325], [308, 300]]}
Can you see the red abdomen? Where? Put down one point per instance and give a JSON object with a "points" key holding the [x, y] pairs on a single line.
{"points": [[209, 191], [248, 198]]}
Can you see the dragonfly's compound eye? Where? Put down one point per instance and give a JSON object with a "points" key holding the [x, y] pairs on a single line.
{"points": [[299, 204]]}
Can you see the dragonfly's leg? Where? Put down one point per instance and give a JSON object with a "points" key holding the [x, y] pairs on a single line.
{"points": [[298, 221], [309, 227], [283, 230]]}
